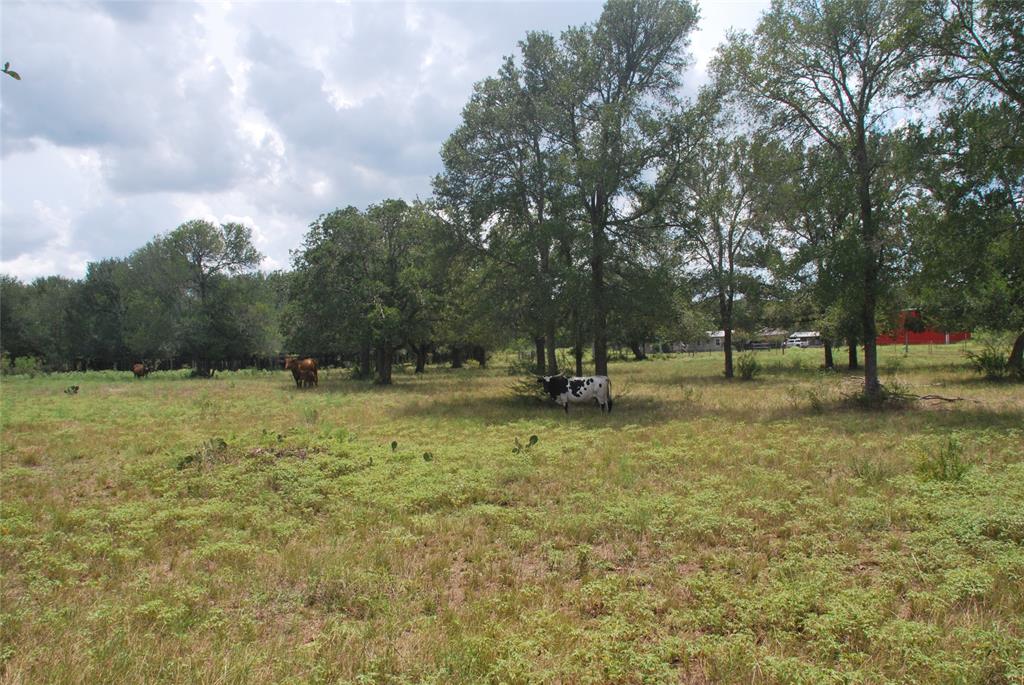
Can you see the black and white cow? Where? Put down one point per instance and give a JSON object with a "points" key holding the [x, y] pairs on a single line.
{"points": [[576, 389]]}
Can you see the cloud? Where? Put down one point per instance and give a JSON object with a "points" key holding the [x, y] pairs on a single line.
{"points": [[133, 117], [134, 90]]}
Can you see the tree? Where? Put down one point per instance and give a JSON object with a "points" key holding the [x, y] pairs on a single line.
{"points": [[501, 189], [977, 46], [811, 214], [644, 300], [362, 282], [98, 315], [179, 299], [616, 114], [969, 242], [835, 71], [15, 327], [711, 206], [330, 287], [46, 323], [397, 311]]}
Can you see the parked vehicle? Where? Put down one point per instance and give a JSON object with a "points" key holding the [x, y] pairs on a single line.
{"points": [[795, 342]]}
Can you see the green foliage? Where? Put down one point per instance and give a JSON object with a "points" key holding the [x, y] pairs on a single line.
{"points": [[822, 71], [527, 388], [748, 366], [871, 470], [378, 278], [22, 366], [592, 116], [944, 463], [520, 447], [991, 360]]}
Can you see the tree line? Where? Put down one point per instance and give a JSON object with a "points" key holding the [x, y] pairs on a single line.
{"points": [[847, 159]]}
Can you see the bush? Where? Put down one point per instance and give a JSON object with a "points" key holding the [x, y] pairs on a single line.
{"points": [[748, 366], [991, 361], [527, 388], [23, 366], [946, 465]]}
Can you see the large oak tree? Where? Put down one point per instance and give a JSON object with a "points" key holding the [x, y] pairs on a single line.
{"points": [[838, 71]]}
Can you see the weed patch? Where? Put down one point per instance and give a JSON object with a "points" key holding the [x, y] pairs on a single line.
{"points": [[945, 463]]}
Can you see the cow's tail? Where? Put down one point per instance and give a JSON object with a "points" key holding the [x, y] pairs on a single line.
{"points": [[609, 395]]}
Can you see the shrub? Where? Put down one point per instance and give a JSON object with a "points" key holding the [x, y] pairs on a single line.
{"points": [[991, 360], [870, 470], [947, 464], [748, 366], [23, 366], [527, 388]]}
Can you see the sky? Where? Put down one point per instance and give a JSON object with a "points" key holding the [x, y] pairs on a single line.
{"points": [[134, 117]]}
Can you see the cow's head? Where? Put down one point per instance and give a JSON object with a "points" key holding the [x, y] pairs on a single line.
{"points": [[554, 385]]}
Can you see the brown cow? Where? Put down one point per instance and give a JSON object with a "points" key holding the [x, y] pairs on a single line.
{"points": [[304, 371], [140, 370]]}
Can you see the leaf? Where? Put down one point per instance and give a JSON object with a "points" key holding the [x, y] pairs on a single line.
{"points": [[14, 75], [394, 445], [427, 456], [533, 440]]}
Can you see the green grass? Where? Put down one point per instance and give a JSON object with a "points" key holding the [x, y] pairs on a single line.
{"points": [[238, 530]]}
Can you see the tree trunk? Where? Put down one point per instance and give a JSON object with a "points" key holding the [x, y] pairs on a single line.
{"points": [[829, 362], [638, 351], [364, 360], [421, 357], [727, 348], [853, 355], [600, 306], [872, 255], [1016, 361], [385, 355], [538, 344], [550, 343], [456, 357], [202, 369], [725, 311]]}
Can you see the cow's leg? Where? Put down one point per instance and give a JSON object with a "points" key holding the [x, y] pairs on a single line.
{"points": [[565, 405]]}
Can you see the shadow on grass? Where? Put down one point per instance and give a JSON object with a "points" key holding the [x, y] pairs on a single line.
{"points": [[844, 414], [849, 416], [977, 382], [465, 394], [434, 380]]}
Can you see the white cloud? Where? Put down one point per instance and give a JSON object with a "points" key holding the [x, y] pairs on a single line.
{"points": [[133, 117]]}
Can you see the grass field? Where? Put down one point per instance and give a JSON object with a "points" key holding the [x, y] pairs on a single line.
{"points": [[238, 530]]}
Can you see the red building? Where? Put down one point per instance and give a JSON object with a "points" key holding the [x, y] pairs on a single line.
{"points": [[912, 330]]}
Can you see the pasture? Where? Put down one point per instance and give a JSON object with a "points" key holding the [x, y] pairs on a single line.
{"points": [[238, 530]]}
